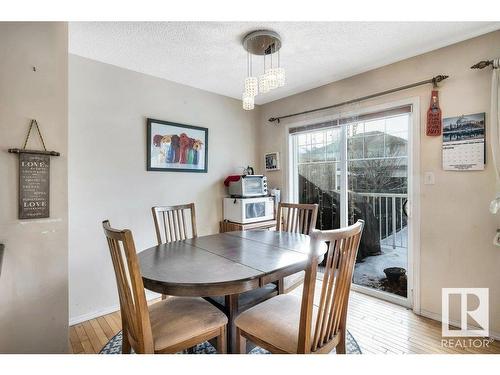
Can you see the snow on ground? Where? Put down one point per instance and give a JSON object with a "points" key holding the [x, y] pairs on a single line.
{"points": [[371, 270]]}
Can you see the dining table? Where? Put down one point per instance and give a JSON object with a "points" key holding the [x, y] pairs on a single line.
{"points": [[227, 264]]}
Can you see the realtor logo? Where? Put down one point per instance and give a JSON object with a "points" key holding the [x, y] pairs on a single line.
{"points": [[473, 312]]}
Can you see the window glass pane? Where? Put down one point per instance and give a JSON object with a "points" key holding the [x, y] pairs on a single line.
{"points": [[355, 129], [307, 138], [375, 127], [304, 154], [355, 148], [333, 144], [330, 136], [374, 146], [398, 124], [332, 152], [301, 139], [320, 183], [396, 145], [378, 175], [318, 152], [318, 137]]}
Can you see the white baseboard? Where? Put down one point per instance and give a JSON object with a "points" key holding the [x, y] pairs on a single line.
{"points": [[108, 310], [454, 323]]}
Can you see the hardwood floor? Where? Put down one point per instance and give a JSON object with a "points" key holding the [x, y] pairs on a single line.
{"points": [[379, 327]]}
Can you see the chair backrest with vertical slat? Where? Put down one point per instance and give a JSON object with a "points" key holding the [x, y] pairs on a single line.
{"points": [[297, 218], [171, 223], [332, 311], [133, 305]]}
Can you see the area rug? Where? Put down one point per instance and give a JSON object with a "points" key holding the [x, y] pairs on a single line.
{"points": [[114, 346]]}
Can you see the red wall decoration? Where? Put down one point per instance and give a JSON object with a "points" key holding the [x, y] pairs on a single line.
{"points": [[434, 116]]}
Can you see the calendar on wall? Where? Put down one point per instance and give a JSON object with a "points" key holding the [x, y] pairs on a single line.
{"points": [[464, 145]]}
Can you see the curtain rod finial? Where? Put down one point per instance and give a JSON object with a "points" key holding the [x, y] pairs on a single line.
{"points": [[440, 78], [273, 119], [482, 64]]}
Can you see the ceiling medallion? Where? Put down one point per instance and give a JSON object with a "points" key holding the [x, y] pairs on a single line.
{"points": [[263, 43]]}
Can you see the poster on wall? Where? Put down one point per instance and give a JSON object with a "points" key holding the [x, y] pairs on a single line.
{"points": [[173, 147], [464, 145]]}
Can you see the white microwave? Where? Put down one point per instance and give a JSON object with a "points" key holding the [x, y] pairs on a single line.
{"points": [[248, 210]]}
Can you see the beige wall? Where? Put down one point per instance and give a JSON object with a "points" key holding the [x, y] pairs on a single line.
{"points": [[34, 279], [456, 228], [108, 108]]}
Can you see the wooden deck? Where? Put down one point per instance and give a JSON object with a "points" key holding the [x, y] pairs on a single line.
{"points": [[379, 327]]}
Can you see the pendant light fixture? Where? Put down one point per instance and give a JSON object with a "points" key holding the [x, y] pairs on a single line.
{"points": [[263, 43]]}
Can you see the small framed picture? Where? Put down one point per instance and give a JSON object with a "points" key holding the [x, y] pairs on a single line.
{"points": [[272, 160], [173, 147]]}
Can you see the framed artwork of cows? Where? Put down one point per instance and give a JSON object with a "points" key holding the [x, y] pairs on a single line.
{"points": [[173, 147]]}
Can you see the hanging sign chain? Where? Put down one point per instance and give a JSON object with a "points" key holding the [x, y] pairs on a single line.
{"points": [[25, 151], [33, 122]]}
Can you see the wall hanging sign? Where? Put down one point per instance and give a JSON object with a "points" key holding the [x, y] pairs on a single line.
{"points": [[173, 147], [34, 178], [434, 116], [464, 146]]}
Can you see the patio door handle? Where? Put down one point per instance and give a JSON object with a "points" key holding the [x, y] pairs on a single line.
{"points": [[405, 208]]}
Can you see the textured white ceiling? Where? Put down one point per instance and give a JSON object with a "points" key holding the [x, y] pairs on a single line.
{"points": [[209, 55]]}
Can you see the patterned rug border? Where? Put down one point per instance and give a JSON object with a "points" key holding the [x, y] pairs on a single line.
{"points": [[113, 346]]}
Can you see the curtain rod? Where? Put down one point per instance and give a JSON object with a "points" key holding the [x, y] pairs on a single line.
{"points": [[434, 80]]}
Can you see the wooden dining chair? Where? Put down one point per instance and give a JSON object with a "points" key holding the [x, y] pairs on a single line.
{"points": [[171, 223], [295, 218], [168, 326], [288, 324]]}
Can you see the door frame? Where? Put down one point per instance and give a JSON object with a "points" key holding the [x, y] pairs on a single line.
{"points": [[413, 206]]}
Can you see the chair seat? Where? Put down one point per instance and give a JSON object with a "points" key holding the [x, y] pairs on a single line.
{"points": [[178, 319], [276, 321], [293, 281]]}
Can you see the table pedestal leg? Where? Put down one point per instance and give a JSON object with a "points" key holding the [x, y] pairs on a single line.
{"points": [[280, 286], [231, 303]]}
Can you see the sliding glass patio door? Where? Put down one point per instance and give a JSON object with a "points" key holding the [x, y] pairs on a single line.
{"points": [[357, 168]]}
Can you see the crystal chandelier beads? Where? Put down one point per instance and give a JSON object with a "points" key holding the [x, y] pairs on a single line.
{"points": [[263, 43], [248, 102], [263, 84], [272, 78], [280, 77], [251, 86]]}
